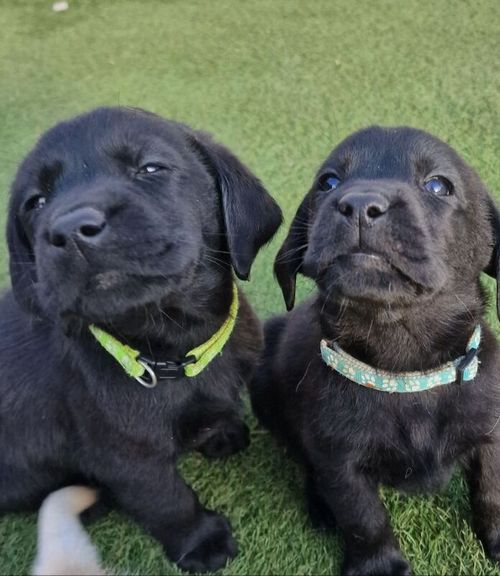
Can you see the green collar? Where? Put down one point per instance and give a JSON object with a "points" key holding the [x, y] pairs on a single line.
{"points": [[144, 370], [462, 369]]}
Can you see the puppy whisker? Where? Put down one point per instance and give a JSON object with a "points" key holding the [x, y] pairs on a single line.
{"points": [[168, 317], [285, 257], [466, 308]]}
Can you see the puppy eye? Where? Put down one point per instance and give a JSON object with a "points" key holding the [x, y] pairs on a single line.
{"points": [[329, 181], [439, 186], [35, 203], [150, 168]]}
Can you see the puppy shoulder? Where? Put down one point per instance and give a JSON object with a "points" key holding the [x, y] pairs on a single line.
{"points": [[247, 340], [489, 356], [25, 341], [303, 326], [299, 338]]}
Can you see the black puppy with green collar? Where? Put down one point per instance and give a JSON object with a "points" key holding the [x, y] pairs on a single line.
{"points": [[389, 374], [124, 341]]}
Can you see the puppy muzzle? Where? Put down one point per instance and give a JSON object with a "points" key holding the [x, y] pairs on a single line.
{"points": [[371, 241]]}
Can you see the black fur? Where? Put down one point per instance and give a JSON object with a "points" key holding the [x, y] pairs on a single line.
{"points": [[146, 256], [397, 269]]}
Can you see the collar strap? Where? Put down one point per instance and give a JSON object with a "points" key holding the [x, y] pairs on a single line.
{"points": [[147, 371], [462, 369]]}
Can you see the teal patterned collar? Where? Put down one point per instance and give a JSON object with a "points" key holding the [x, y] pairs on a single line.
{"points": [[462, 369]]}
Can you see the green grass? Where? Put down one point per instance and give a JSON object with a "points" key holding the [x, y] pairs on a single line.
{"points": [[280, 82]]}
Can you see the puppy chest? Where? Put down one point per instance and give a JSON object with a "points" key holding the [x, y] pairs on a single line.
{"points": [[411, 448], [410, 468], [418, 451]]}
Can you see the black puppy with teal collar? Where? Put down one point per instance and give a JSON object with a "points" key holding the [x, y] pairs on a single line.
{"points": [[122, 220], [395, 231]]}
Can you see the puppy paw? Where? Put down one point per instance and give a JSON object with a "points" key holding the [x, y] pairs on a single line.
{"points": [[491, 545], [387, 563], [210, 546], [320, 514], [226, 440], [486, 522]]}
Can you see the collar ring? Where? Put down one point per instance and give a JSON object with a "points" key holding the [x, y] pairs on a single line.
{"points": [[147, 383]]}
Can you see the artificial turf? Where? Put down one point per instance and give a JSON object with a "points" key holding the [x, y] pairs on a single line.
{"points": [[279, 82]]}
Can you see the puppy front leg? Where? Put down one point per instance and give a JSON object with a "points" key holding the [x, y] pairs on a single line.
{"points": [[483, 474], [353, 501], [224, 438], [155, 495], [216, 431]]}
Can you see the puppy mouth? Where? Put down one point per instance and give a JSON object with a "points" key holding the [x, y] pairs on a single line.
{"points": [[113, 294], [358, 259], [108, 280], [364, 257], [115, 279], [363, 274], [116, 284], [93, 294], [383, 263]]}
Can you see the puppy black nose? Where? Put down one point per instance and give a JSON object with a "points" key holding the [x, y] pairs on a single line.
{"points": [[363, 206], [83, 225]]}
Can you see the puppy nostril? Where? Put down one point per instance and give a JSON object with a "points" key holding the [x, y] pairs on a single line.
{"points": [[345, 209], [58, 240], [90, 230], [373, 212]]}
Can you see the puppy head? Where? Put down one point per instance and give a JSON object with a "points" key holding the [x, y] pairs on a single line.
{"points": [[119, 208], [393, 217]]}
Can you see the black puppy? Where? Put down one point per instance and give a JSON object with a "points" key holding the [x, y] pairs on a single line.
{"points": [[126, 222], [395, 232]]}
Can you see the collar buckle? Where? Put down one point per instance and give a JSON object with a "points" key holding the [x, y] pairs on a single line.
{"points": [[162, 370], [464, 364]]}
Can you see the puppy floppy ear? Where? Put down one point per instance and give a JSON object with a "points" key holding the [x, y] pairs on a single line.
{"points": [[493, 268], [289, 259], [251, 216], [21, 264]]}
